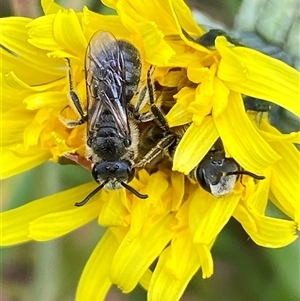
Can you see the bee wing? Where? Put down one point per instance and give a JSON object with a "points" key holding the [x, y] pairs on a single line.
{"points": [[105, 78]]}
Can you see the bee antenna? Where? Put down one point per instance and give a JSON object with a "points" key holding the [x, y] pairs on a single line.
{"points": [[79, 204], [244, 172], [139, 195]]}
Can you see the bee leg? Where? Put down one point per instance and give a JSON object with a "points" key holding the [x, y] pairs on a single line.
{"points": [[156, 111], [69, 123], [161, 147], [75, 99], [135, 110]]}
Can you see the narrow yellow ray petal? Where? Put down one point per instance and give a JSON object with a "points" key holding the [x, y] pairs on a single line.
{"points": [[133, 13], [13, 124], [194, 145], [24, 59], [181, 246], [258, 200], [94, 282], [178, 181], [16, 159], [270, 133], [92, 22], [285, 178], [68, 32], [139, 211], [50, 7], [164, 284], [220, 97], [293, 137], [287, 210], [135, 254], [46, 99], [208, 215], [286, 172], [178, 115], [207, 264], [41, 35], [268, 231], [15, 222], [110, 3], [113, 212], [56, 224], [261, 76], [158, 52], [49, 33], [145, 279], [241, 138], [184, 19]]}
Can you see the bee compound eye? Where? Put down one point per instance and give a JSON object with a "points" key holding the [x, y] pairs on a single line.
{"points": [[131, 173], [96, 172], [201, 178]]}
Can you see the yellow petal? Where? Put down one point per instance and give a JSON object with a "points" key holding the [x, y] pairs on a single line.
{"points": [[220, 97], [94, 282], [110, 3], [194, 145], [285, 178], [241, 139], [136, 254], [197, 73], [208, 215], [266, 231], [206, 259], [61, 31], [145, 280], [158, 52], [56, 224], [164, 284], [252, 73], [134, 12], [178, 185], [258, 199], [13, 124], [50, 7], [180, 250], [184, 18], [16, 159], [156, 187], [178, 115], [46, 99], [113, 212], [25, 60], [68, 32], [92, 22], [15, 222]]}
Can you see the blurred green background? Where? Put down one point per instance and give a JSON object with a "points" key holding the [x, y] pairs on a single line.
{"points": [[50, 271]]}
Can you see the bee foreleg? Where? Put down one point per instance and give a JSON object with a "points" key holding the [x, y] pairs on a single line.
{"points": [[155, 110], [161, 147], [75, 99]]}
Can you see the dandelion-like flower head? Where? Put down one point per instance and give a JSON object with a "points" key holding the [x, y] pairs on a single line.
{"points": [[179, 222]]}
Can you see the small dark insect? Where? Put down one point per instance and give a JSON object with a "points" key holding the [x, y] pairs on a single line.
{"points": [[217, 174], [113, 71]]}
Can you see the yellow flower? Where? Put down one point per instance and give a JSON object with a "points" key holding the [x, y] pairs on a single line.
{"points": [[179, 222]]}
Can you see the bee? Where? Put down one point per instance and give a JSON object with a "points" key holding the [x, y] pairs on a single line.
{"points": [[113, 71], [218, 174], [215, 173]]}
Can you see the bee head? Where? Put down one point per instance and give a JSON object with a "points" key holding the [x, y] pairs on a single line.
{"points": [[216, 174], [104, 171]]}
